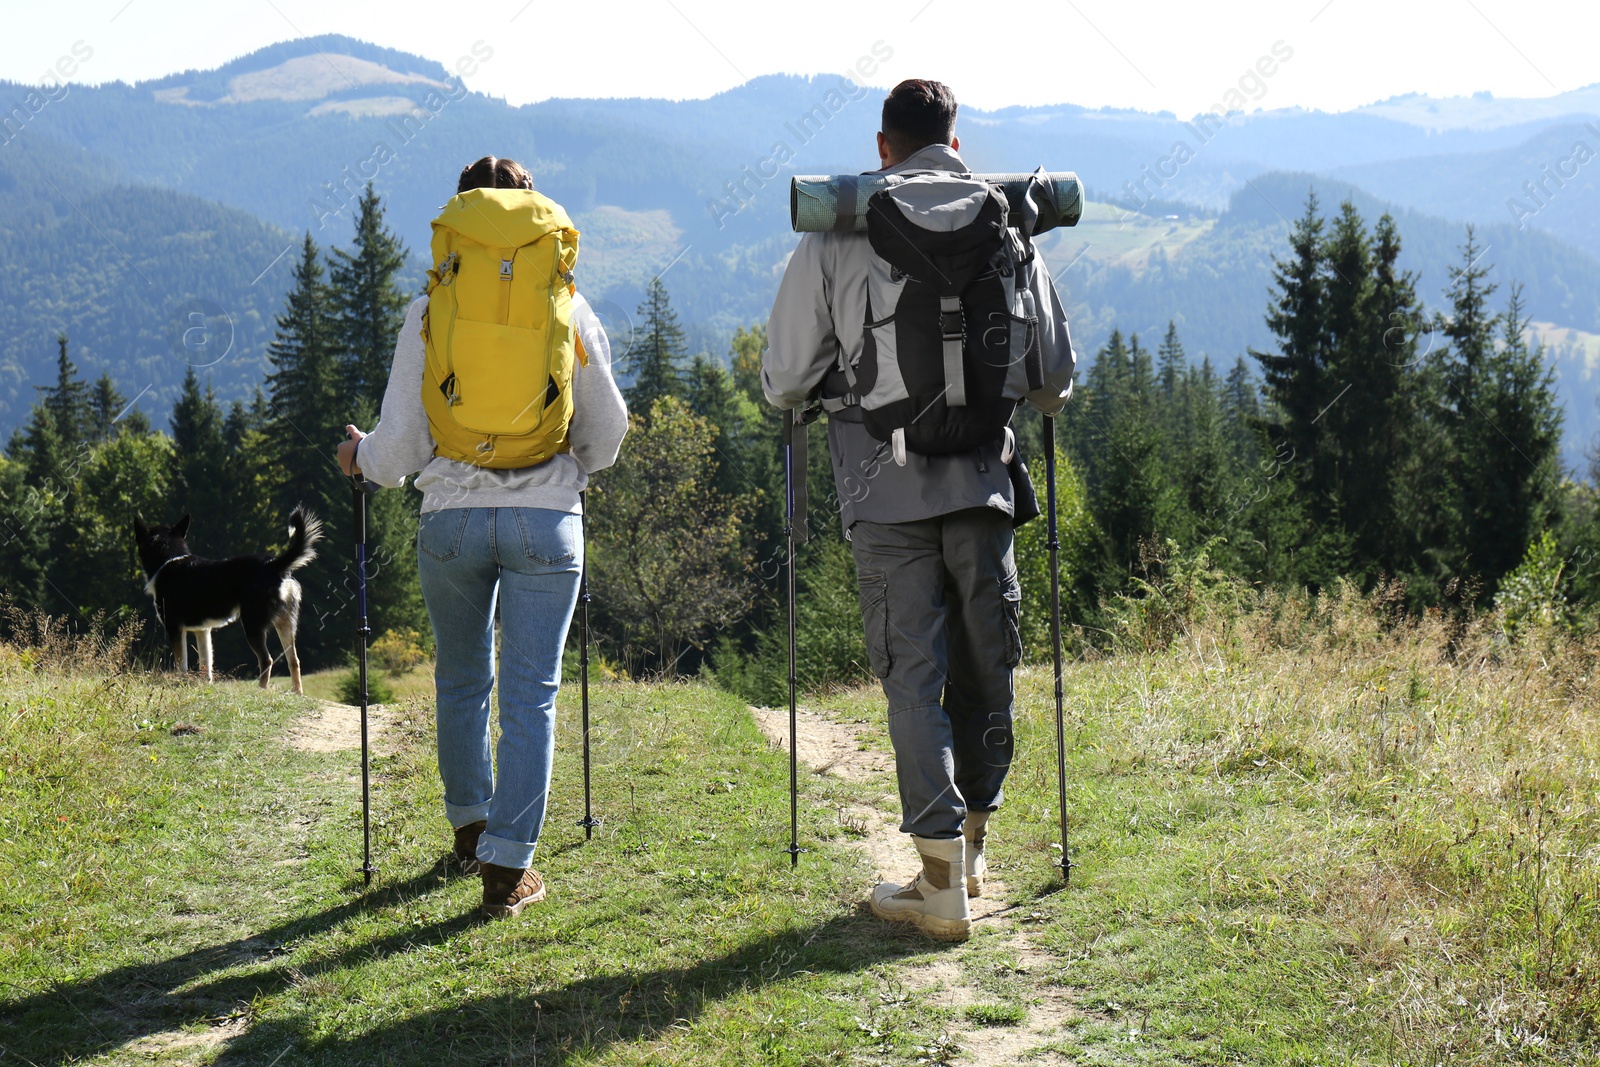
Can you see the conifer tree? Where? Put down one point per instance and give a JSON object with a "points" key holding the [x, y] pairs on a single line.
{"points": [[368, 309], [105, 404], [1172, 362], [1204, 468], [366, 305], [68, 401], [1295, 375], [305, 408], [1469, 330], [245, 491], [656, 360], [1241, 408], [1130, 490], [709, 391], [1512, 448], [306, 411], [1365, 424], [199, 456]]}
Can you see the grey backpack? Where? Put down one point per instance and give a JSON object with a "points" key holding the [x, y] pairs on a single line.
{"points": [[951, 341]]}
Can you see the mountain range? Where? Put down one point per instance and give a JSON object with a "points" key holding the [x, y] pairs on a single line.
{"points": [[155, 223]]}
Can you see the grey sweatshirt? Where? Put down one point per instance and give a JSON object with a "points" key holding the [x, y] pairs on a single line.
{"points": [[820, 314], [401, 444]]}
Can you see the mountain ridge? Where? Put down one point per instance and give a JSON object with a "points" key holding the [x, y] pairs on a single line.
{"points": [[645, 177]]}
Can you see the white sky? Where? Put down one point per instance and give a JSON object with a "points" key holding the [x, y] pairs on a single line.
{"points": [[1147, 54]]}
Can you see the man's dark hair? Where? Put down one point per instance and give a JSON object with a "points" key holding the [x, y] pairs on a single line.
{"points": [[918, 113], [492, 173]]}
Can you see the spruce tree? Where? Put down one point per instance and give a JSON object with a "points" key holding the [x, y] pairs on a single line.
{"points": [[1204, 469], [199, 457], [306, 405], [1364, 427], [368, 311], [246, 476], [105, 404], [656, 360], [1465, 380], [1295, 376], [68, 401], [367, 306], [1172, 362], [1241, 410], [306, 411], [1515, 449], [1130, 489]]}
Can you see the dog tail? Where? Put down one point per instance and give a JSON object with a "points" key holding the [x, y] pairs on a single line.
{"points": [[305, 530]]}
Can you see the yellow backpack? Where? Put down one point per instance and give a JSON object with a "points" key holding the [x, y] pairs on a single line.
{"points": [[501, 345]]}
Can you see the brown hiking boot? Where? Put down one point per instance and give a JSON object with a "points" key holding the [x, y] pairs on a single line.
{"points": [[467, 846], [507, 890]]}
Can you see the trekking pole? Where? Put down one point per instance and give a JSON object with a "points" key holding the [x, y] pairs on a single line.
{"points": [[1054, 545], [588, 822], [359, 488], [794, 473]]}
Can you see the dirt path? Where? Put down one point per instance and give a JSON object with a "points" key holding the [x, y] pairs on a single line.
{"points": [[336, 727], [828, 746]]}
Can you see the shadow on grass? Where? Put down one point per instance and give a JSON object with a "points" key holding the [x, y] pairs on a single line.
{"points": [[576, 1021], [79, 1019], [73, 1020]]}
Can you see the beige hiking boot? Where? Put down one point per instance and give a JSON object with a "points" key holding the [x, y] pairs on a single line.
{"points": [[466, 846], [507, 890], [973, 831], [935, 901]]}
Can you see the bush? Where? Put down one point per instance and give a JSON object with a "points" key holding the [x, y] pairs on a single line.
{"points": [[397, 651], [1188, 589], [1075, 530], [379, 691], [830, 648], [1532, 599]]}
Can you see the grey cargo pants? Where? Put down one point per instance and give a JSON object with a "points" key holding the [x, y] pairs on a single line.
{"points": [[940, 602]]}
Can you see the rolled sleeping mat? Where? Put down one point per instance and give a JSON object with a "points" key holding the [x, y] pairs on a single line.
{"points": [[820, 202]]}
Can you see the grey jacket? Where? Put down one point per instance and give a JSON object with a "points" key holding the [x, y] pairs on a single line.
{"points": [[820, 314]]}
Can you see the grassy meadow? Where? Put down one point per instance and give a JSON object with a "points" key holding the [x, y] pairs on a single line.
{"points": [[1309, 832]]}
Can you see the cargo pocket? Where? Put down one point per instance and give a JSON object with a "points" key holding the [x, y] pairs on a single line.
{"points": [[1011, 617], [875, 618], [439, 533]]}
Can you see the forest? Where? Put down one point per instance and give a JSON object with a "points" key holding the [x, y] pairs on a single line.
{"points": [[1375, 444]]}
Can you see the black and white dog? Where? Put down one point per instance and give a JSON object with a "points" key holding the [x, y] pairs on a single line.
{"points": [[198, 595]]}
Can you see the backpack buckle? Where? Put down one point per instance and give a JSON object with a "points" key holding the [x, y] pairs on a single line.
{"points": [[952, 325], [505, 270]]}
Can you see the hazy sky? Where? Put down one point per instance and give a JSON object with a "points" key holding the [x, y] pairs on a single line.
{"points": [[1152, 55]]}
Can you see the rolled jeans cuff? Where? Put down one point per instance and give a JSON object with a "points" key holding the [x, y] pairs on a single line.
{"points": [[465, 814], [503, 853]]}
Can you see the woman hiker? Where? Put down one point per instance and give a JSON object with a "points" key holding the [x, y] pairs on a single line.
{"points": [[501, 396]]}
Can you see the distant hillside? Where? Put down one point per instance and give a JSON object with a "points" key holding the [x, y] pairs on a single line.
{"points": [[285, 137], [121, 269], [1559, 161]]}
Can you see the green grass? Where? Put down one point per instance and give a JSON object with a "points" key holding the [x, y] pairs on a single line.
{"points": [[990, 1014], [206, 881], [1300, 838]]}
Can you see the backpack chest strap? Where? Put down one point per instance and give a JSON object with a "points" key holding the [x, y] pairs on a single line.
{"points": [[952, 330]]}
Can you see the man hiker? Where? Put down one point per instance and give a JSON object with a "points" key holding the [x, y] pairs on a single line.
{"points": [[930, 528]]}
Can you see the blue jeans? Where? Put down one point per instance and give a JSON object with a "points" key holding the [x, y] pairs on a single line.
{"points": [[530, 559]]}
